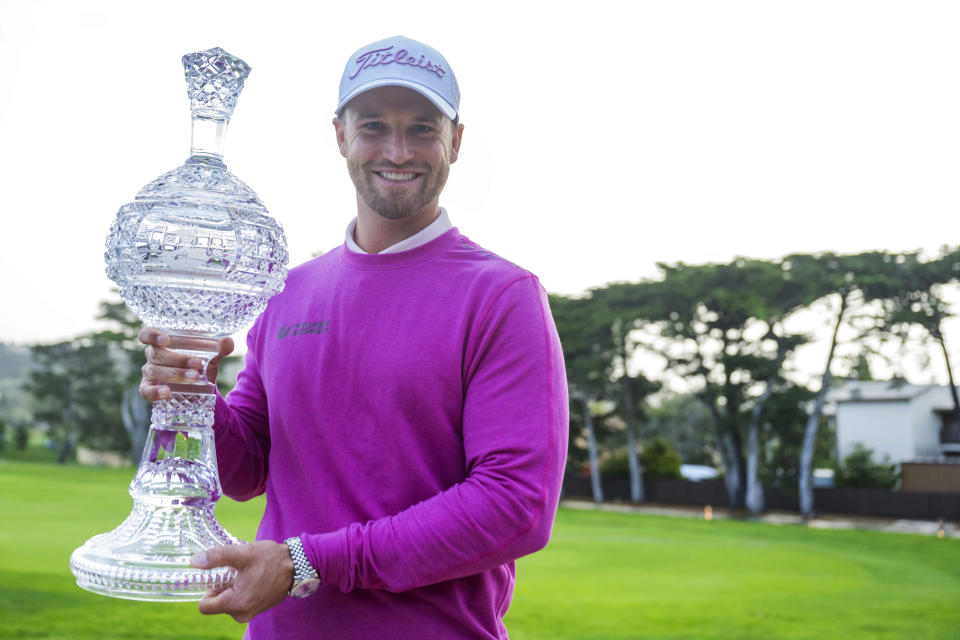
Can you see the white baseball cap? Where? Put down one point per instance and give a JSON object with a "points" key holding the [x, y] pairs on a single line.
{"points": [[401, 62]]}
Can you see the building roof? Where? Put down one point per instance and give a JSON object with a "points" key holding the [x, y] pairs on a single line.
{"points": [[878, 391], [935, 460]]}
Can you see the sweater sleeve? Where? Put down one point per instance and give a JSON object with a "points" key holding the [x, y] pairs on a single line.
{"points": [[514, 438], [242, 433]]}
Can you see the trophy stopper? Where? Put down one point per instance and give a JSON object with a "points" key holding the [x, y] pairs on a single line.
{"points": [[214, 81]]}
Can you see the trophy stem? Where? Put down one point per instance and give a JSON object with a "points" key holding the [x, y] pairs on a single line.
{"points": [[208, 137], [174, 492]]}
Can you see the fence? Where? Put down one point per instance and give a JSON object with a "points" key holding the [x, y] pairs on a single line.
{"points": [[913, 505]]}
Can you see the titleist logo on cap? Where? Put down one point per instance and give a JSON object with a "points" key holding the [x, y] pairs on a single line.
{"points": [[386, 55]]}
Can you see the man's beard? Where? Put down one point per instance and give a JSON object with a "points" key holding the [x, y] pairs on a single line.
{"points": [[398, 206]]}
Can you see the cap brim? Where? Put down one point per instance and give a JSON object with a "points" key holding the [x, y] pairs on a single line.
{"points": [[427, 93]]}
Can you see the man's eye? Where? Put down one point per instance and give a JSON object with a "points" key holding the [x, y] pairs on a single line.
{"points": [[372, 126], [422, 128]]}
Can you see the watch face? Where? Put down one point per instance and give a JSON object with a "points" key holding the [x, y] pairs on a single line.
{"points": [[305, 588]]}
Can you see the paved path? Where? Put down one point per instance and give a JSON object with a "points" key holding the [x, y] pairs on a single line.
{"points": [[917, 527]]}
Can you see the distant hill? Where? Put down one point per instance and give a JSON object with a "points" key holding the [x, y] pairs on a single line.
{"points": [[14, 360]]}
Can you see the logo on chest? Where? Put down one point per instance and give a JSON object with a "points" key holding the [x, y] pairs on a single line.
{"points": [[303, 329]]}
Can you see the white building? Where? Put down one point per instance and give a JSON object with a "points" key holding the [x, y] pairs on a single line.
{"points": [[902, 420]]}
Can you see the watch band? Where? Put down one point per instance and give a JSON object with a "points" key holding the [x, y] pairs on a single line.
{"points": [[303, 571]]}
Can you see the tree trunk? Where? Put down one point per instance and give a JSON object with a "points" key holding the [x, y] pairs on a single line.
{"points": [[731, 410], [729, 452], [135, 412], [636, 472], [65, 448], [731, 470], [946, 359], [813, 423], [68, 425], [754, 497], [754, 494], [736, 469], [592, 451]]}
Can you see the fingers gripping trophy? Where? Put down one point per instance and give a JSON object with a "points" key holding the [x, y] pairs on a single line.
{"points": [[198, 255]]}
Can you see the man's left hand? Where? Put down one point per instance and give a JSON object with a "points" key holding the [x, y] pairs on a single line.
{"points": [[264, 574]]}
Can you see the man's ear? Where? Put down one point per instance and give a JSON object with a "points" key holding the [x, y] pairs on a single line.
{"points": [[455, 142], [339, 128]]}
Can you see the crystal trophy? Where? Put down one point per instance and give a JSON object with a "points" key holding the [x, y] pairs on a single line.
{"points": [[197, 255]]}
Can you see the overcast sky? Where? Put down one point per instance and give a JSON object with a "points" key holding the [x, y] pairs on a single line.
{"points": [[601, 137]]}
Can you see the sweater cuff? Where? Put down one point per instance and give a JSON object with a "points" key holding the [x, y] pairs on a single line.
{"points": [[220, 414], [327, 552]]}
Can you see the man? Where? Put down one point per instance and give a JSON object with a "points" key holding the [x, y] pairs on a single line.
{"points": [[403, 401]]}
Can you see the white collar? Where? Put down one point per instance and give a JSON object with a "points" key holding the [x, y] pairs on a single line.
{"points": [[433, 230]]}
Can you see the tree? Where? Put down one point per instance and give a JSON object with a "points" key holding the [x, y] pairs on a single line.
{"points": [[14, 402], [720, 329], [920, 301], [849, 280], [21, 437], [77, 392], [134, 410], [622, 304], [634, 391], [682, 420], [859, 469], [584, 335], [14, 360], [660, 459], [784, 296], [860, 368], [784, 423]]}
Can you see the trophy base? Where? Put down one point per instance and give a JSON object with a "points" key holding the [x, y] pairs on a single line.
{"points": [[174, 493], [135, 563], [163, 585]]}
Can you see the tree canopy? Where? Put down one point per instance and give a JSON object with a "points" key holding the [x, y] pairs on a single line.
{"points": [[725, 335]]}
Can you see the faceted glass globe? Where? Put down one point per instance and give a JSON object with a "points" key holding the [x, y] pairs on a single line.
{"points": [[197, 251]]}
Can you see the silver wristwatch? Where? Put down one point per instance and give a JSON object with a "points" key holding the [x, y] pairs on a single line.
{"points": [[305, 578]]}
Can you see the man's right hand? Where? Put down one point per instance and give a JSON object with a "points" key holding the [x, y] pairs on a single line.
{"points": [[165, 366]]}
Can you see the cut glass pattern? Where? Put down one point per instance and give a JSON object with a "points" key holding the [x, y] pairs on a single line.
{"points": [[198, 255], [214, 82]]}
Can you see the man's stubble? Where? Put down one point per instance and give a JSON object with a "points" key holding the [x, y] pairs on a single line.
{"points": [[398, 206]]}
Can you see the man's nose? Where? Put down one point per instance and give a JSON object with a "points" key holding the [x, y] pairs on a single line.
{"points": [[398, 149]]}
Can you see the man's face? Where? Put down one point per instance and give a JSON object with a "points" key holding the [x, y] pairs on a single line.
{"points": [[399, 149]]}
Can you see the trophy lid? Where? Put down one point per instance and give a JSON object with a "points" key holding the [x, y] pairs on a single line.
{"points": [[205, 180], [214, 81]]}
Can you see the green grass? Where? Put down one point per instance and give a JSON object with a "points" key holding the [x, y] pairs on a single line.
{"points": [[612, 575], [48, 511], [604, 575]]}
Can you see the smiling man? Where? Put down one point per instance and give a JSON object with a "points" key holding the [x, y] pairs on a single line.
{"points": [[399, 149], [403, 402]]}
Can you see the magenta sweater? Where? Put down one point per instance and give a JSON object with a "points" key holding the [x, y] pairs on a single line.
{"points": [[406, 414]]}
